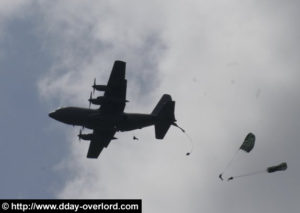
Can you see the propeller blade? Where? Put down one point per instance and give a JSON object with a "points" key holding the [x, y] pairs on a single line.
{"points": [[90, 100], [94, 85], [80, 131]]}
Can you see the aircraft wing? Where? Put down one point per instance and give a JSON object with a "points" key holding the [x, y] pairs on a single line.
{"points": [[100, 140], [115, 91]]}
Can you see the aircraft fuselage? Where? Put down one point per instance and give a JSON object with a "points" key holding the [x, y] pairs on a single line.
{"points": [[94, 119]]}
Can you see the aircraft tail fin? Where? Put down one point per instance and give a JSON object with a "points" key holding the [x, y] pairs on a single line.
{"points": [[164, 111]]}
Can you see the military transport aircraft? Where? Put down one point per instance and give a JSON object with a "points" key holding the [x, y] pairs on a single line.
{"points": [[110, 117]]}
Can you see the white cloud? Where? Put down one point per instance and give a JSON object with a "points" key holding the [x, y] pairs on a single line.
{"points": [[213, 58]]}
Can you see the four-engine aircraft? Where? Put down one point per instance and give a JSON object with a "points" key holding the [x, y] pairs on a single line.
{"points": [[110, 117]]}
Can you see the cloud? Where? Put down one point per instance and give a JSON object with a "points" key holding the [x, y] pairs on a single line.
{"points": [[212, 58], [86, 45], [9, 10]]}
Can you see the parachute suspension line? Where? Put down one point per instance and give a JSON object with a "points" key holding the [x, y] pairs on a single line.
{"points": [[228, 165], [175, 124], [247, 174], [251, 173], [191, 142], [188, 137], [231, 161]]}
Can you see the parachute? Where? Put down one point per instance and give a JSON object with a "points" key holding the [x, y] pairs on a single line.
{"points": [[277, 168], [246, 146]]}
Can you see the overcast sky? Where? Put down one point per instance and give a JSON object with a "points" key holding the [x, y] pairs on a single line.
{"points": [[232, 67]]}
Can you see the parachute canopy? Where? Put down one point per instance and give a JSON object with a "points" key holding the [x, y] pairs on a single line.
{"points": [[248, 143], [280, 167]]}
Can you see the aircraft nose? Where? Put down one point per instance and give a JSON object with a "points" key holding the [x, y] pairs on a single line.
{"points": [[52, 115]]}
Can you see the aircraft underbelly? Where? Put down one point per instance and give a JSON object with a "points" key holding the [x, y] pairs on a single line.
{"points": [[135, 121], [101, 122]]}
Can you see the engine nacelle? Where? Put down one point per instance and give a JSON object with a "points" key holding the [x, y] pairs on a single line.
{"points": [[100, 87], [101, 100], [98, 101], [89, 137], [86, 137]]}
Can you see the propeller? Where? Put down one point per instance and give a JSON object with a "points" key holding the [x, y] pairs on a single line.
{"points": [[90, 99], [80, 132], [94, 85]]}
